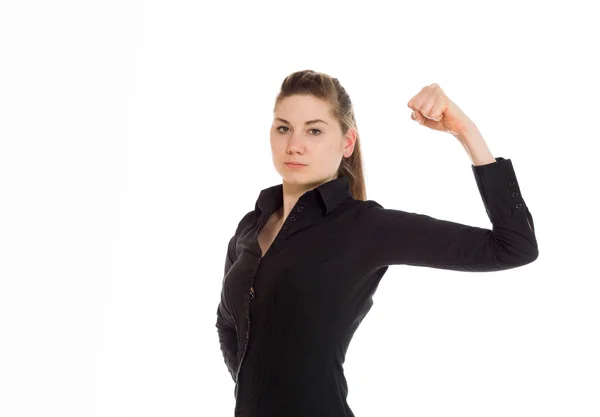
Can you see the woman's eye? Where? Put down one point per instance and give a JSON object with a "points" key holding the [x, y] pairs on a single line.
{"points": [[285, 127]]}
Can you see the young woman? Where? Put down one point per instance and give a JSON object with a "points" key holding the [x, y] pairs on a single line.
{"points": [[303, 265]]}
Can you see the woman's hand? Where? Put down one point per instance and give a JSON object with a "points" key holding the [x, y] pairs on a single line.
{"points": [[432, 108]]}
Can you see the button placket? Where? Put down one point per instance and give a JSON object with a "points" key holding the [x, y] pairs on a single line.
{"points": [[247, 333], [292, 218], [296, 220]]}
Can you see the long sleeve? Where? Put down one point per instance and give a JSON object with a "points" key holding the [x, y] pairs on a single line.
{"points": [[225, 324], [392, 237]]}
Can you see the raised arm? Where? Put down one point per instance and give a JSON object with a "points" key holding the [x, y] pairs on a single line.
{"points": [[393, 237]]}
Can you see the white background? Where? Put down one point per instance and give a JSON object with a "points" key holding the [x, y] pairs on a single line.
{"points": [[134, 136]]}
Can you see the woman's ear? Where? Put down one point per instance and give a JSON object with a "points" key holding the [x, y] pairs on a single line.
{"points": [[349, 142]]}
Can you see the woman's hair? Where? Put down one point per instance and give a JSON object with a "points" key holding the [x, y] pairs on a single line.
{"points": [[329, 89]]}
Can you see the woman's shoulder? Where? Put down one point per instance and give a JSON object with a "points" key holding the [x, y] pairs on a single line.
{"points": [[356, 210], [363, 206], [246, 220]]}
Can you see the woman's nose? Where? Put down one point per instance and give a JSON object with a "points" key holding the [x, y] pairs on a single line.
{"points": [[295, 142]]}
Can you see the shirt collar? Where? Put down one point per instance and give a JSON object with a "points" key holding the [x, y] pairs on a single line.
{"points": [[330, 194]]}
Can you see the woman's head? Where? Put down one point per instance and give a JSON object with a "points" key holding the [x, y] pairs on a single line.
{"points": [[314, 124]]}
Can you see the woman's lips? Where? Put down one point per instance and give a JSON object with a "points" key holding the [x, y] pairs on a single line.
{"points": [[294, 165]]}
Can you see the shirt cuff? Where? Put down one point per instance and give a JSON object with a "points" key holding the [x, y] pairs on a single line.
{"points": [[499, 189]]}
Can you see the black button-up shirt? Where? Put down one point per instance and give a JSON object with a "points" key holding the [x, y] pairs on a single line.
{"points": [[285, 320]]}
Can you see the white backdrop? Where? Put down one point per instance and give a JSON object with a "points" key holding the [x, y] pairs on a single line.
{"points": [[134, 135]]}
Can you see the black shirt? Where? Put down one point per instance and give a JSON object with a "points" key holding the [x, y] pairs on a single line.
{"points": [[285, 320]]}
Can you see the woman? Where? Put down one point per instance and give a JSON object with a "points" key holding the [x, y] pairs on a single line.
{"points": [[302, 267]]}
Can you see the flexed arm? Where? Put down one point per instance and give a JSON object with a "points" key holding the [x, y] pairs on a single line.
{"points": [[392, 237]]}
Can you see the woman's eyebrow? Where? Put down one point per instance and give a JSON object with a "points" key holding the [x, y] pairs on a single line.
{"points": [[310, 122]]}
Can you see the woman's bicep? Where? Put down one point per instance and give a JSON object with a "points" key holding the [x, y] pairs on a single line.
{"points": [[395, 237], [391, 237]]}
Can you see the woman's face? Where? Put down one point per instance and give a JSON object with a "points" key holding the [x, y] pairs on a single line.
{"points": [[303, 131]]}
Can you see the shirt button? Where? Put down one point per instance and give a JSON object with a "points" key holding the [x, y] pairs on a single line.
{"points": [[300, 208], [519, 205], [292, 218], [514, 194], [285, 227], [512, 183]]}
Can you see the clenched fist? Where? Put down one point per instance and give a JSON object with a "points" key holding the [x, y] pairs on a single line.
{"points": [[433, 109]]}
